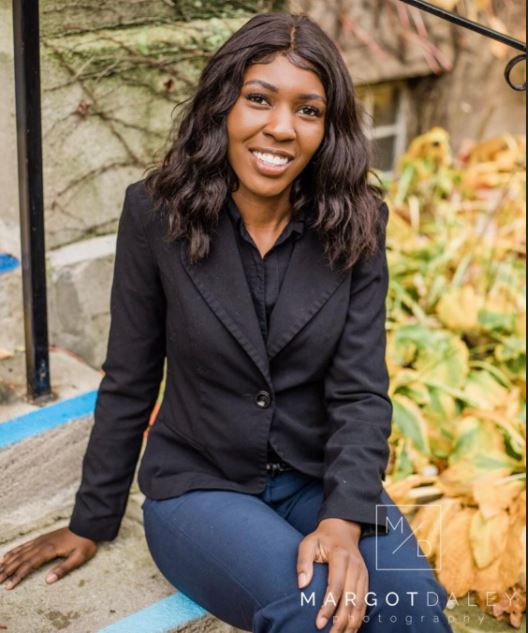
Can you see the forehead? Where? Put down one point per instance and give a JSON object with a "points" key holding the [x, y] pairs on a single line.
{"points": [[287, 77]]}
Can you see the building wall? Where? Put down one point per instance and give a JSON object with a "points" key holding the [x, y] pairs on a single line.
{"points": [[455, 76]]}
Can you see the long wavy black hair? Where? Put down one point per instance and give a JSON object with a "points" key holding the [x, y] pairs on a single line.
{"points": [[193, 180]]}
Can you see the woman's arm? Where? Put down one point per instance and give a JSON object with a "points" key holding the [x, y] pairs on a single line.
{"points": [[133, 372], [357, 450], [358, 405]]}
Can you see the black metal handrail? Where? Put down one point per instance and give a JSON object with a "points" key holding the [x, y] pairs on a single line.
{"points": [[482, 30], [31, 198]]}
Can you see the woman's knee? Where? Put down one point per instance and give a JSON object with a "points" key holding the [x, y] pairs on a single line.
{"points": [[297, 611]]}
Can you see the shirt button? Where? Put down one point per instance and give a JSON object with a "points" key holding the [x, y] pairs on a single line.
{"points": [[263, 399]]}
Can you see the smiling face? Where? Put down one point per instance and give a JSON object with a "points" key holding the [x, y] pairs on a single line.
{"points": [[275, 127]]}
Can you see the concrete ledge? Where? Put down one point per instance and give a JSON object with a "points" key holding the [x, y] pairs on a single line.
{"points": [[71, 377], [40, 476], [79, 284], [120, 590]]}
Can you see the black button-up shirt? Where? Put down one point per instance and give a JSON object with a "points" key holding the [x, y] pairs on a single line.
{"points": [[265, 274]]}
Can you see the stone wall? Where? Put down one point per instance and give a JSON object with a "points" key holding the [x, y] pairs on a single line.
{"points": [[112, 75]]}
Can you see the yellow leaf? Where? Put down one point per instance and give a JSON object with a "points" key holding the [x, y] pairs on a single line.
{"points": [[430, 521], [520, 325], [456, 480], [477, 437], [441, 409], [492, 496], [399, 490], [458, 309], [502, 299], [434, 144], [445, 361], [484, 389], [506, 569], [457, 567], [518, 509], [488, 537]]}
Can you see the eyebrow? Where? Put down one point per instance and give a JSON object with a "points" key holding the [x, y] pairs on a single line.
{"points": [[307, 95]]}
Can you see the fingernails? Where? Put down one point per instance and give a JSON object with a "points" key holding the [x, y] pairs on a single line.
{"points": [[8, 584], [52, 578], [321, 622], [302, 579]]}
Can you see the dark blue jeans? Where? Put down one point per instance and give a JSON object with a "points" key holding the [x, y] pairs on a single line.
{"points": [[235, 555]]}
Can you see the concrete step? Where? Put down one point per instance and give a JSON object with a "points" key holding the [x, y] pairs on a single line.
{"points": [[41, 450], [119, 591], [78, 280]]}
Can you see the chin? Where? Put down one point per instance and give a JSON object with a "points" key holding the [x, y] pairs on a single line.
{"points": [[267, 191]]}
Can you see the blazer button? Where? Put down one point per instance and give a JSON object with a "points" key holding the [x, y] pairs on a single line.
{"points": [[263, 399]]}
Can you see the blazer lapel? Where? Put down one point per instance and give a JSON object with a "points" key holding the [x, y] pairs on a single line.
{"points": [[308, 284], [221, 280]]}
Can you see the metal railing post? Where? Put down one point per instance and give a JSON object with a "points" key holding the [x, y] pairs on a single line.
{"points": [[31, 198]]}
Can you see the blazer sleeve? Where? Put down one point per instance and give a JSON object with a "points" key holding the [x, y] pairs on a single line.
{"points": [[358, 405], [133, 371]]}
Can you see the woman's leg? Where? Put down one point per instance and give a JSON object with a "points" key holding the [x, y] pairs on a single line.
{"points": [[405, 595], [235, 556]]}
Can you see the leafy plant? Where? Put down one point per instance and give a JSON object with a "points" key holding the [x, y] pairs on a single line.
{"points": [[456, 354]]}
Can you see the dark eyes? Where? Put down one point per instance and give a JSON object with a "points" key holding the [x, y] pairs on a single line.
{"points": [[261, 99]]}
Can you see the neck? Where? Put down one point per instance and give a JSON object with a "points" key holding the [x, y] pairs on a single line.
{"points": [[263, 214]]}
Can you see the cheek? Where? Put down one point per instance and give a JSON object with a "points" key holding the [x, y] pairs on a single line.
{"points": [[241, 123], [311, 140]]}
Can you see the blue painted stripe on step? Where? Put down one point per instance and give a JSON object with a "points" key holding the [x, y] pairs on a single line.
{"points": [[160, 617], [8, 262], [50, 416]]}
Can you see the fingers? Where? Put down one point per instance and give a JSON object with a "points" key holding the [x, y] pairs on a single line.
{"points": [[16, 550], [18, 566], [305, 557], [337, 572], [352, 607], [62, 543], [74, 560]]}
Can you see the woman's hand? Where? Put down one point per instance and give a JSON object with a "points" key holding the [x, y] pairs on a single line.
{"points": [[17, 563], [335, 541]]}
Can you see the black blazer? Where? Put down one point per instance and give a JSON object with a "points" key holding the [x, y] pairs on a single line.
{"points": [[322, 373]]}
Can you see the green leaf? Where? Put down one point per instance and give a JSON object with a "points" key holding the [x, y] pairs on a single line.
{"points": [[410, 421]]}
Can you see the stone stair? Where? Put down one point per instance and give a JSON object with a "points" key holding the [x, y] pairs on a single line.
{"points": [[41, 450]]}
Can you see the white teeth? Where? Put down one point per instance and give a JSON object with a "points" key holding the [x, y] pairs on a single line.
{"points": [[272, 159]]}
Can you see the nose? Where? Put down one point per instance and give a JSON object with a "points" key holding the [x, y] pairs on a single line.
{"points": [[281, 124]]}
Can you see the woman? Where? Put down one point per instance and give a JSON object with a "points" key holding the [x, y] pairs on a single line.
{"points": [[253, 258]]}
